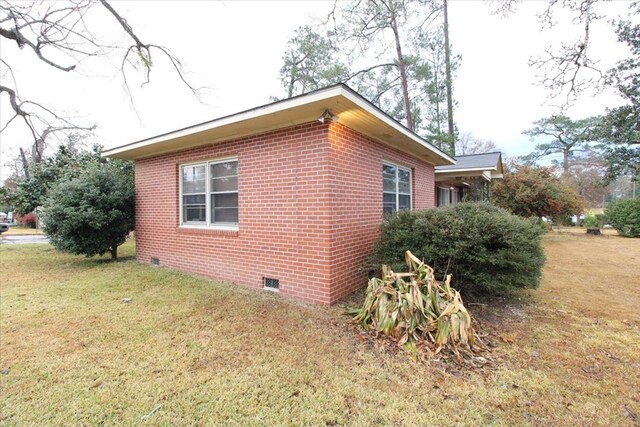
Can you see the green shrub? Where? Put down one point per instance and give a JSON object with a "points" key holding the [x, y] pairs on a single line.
{"points": [[93, 213], [590, 221], [486, 248], [624, 216], [602, 220]]}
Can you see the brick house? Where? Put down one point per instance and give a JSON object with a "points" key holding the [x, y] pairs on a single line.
{"points": [[287, 196]]}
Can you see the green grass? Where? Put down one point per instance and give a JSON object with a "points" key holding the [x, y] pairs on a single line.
{"points": [[207, 353]]}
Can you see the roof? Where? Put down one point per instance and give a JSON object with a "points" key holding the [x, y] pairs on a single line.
{"points": [[347, 107], [488, 166], [485, 161]]}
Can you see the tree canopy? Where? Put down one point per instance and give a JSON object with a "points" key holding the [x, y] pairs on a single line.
{"points": [[563, 136], [310, 62], [620, 127], [93, 212], [392, 52], [537, 192], [69, 159]]}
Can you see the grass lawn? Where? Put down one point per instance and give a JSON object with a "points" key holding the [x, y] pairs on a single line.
{"points": [[204, 353]]}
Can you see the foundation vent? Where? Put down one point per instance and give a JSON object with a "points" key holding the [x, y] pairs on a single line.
{"points": [[271, 284], [155, 261]]}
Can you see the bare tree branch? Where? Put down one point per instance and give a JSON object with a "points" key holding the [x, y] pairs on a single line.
{"points": [[57, 34], [568, 71], [369, 69], [143, 53]]}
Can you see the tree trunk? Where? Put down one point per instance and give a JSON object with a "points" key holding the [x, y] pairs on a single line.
{"points": [[565, 160], [114, 252], [447, 61], [38, 149], [25, 163], [436, 72], [291, 87], [403, 73]]}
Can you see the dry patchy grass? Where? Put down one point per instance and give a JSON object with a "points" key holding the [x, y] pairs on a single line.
{"points": [[206, 353], [583, 230], [596, 275], [21, 231]]}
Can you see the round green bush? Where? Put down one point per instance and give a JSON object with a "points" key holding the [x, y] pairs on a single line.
{"points": [[487, 249], [590, 221], [624, 216], [93, 213]]}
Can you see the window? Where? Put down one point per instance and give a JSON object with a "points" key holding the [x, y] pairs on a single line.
{"points": [[444, 196], [456, 195], [396, 188], [209, 193]]}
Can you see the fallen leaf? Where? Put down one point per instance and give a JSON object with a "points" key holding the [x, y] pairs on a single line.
{"points": [[99, 384]]}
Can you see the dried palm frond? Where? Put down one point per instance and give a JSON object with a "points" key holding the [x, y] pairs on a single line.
{"points": [[414, 308]]}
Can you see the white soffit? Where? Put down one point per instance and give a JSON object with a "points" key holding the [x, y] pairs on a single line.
{"points": [[350, 108]]}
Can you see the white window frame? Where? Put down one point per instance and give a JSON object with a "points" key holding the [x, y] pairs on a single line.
{"points": [[208, 224], [397, 191]]}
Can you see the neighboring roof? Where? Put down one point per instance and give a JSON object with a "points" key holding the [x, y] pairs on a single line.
{"points": [[349, 108], [486, 165], [485, 161]]}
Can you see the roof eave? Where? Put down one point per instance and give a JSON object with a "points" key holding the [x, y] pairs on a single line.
{"points": [[205, 133], [454, 170]]}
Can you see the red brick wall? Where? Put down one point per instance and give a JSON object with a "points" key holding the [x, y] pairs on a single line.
{"points": [[356, 165], [310, 202]]}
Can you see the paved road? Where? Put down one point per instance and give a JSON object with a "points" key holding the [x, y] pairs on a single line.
{"points": [[20, 239]]}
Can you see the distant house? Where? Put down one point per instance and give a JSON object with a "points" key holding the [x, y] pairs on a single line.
{"points": [[468, 178], [286, 197]]}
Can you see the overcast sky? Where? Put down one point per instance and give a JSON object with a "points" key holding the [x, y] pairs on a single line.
{"points": [[235, 49]]}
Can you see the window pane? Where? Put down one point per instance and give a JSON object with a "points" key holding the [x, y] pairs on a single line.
{"points": [[389, 198], [389, 172], [194, 214], [225, 215], [194, 209], [404, 202], [229, 183], [193, 179], [443, 196], [404, 188], [388, 209], [194, 200], [388, 202], [404, 181], [224, 169], [229, 200], [388, 184]]}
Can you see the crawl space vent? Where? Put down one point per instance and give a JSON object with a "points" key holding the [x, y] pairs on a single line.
{"points": [[271, 284], [155, 261]]}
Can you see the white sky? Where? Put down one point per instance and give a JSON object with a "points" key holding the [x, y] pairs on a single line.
{"points": [[235, 49]]}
